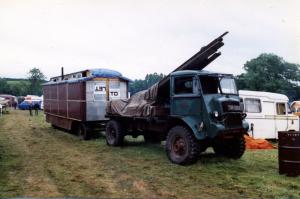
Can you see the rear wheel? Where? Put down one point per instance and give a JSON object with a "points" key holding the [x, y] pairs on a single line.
{"points": [[114, 135], [231, 148], [181, 146]]}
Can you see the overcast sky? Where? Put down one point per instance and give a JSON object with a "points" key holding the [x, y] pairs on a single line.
{"points": [[139, 37]]}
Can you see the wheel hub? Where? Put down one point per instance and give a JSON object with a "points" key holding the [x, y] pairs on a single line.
{"points": [[179, 146]]}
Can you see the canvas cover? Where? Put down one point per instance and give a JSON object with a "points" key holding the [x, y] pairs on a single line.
{"points": [[139, 105], [142, 103]]}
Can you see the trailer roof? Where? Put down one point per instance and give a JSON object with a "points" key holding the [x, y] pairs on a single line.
{"points": [[94, 73], [269, 95]]}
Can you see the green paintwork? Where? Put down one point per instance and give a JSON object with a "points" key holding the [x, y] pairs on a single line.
{"points": [[193, 109]]}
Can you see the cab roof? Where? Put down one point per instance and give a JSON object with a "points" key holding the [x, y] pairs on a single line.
{"points": [[198, 72]]}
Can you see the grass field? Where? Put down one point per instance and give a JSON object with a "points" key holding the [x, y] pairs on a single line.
{"points": [[39, 161]]}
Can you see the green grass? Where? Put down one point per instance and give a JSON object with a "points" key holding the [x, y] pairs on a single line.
{"points": [[9, 162], [43, 162]]}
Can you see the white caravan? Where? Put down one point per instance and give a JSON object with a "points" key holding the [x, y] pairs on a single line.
{"points": [[268, 113]]}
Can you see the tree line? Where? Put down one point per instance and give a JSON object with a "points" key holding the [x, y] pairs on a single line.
{"points": [[267, 72], [142, 84], [271, 73], [32, 85]]}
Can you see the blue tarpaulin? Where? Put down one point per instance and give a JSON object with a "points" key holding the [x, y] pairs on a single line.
{"points": [[99, 72]]}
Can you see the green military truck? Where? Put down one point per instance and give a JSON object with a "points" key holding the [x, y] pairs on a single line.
{"points": [[191, 109]]}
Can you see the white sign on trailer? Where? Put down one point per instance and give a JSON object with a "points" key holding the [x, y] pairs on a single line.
{"points": [[114, 93], [100, 88]]}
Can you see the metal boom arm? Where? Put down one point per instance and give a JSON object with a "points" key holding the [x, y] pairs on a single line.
{"points": [[200, 60]]}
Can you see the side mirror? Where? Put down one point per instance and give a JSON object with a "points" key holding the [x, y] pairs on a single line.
{"points": [[242, 104]]}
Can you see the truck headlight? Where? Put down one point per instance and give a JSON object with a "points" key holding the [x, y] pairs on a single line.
{"points": [[216, 114]]}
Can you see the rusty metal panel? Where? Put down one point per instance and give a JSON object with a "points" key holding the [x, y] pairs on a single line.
{"points": [[59, 122], [76, 110], [62, 108], [53, 106], [53, 92], [46, 92], [289, 152], [62, 92], [76, 91], [76, 101]]}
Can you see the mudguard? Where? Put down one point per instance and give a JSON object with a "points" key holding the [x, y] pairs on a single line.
{"points": [[194, 125]]}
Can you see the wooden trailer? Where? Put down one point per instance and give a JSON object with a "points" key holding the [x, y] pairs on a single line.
{"points": [[77, 101]]}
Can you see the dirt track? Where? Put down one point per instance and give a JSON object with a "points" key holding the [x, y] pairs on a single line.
{"points": [[53, 163]]}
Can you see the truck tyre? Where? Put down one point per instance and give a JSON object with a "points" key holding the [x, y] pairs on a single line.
{"points": [[233, 148], [83, 132], [114, 135], [181, 146]]}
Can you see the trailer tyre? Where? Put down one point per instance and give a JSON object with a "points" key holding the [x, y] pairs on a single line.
{"points": [[84, 132], [114, 135], [53, 126], [233, 148], [181, 146]]}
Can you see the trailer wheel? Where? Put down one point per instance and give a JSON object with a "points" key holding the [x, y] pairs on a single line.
{"points": [[181, 146], [114, 135], [53, 126], [232, 148], [83, 132]]}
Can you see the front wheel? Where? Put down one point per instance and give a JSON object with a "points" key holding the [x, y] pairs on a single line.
{"points": [[231, 148], [114, 135], [181, 146]]}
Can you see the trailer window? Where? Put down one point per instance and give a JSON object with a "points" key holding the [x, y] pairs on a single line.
{"points": [[252, 105], [183, 85], [280, 108]]}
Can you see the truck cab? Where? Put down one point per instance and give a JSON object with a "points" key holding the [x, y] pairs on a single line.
{"points": [[206, 101], [210, 109]]}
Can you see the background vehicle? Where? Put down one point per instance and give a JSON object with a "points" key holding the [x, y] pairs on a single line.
{"points": [[10, 98], [26, 103], [191, 109], [295, 106], [268, 113]]}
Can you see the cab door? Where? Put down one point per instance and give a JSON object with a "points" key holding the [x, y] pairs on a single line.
{"points": [[184, 96]]}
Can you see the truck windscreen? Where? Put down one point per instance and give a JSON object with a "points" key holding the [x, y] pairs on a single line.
{"points": [[228, 85], [210, 84], [215, 84]]}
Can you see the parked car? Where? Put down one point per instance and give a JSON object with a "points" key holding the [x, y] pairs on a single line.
{"points": [[268, 113], [25, 104], [295, 106]]}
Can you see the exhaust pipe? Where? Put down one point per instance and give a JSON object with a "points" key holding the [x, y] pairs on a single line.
{"points": [[62, 73]]}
